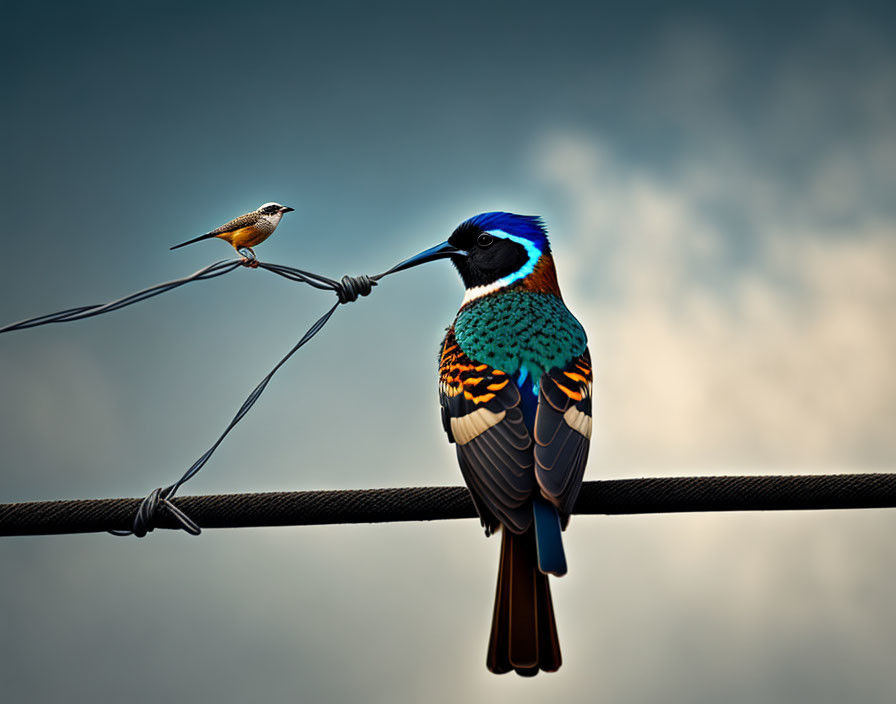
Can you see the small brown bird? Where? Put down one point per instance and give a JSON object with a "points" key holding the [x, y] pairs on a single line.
{"points": [[246, 231]]}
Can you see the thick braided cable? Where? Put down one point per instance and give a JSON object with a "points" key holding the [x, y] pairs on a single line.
{"points": [[611, 497]]}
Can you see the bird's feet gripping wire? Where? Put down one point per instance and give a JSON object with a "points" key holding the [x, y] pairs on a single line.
{"points": [[249, 258]]}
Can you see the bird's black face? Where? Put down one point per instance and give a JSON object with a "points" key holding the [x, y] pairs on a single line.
{"points": [[274, 208], [488, 258]]}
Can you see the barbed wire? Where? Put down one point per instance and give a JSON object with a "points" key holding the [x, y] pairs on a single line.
{"points": [[608, 497], [347, 290]]}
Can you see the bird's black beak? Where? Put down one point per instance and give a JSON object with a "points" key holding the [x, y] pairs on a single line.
{"points": [[286, 209], [440, 251]]}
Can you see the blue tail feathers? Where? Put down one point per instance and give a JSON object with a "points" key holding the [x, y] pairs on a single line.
{"points": [[548, 539]]}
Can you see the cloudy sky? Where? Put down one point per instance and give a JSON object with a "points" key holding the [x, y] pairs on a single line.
{"points": [[718, 186]]}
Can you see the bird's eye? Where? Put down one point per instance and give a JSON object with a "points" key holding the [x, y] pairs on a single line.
{"points": [[485, 240]]}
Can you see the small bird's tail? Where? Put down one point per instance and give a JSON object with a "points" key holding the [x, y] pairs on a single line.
{"points": [[195, 239], [524, 634]]}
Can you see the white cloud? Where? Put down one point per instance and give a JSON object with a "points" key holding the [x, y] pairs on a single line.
{"points": [[774, 346]]}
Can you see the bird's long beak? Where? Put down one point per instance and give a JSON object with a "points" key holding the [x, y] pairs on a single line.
{"points": [[440, 251], [286, 209]]}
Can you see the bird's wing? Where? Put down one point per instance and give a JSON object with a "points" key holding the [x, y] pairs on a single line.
{"points": [[236, 224], [481, 413], [563, 431]]}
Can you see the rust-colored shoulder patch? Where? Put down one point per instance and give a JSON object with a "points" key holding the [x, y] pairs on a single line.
{"points": [[543, 278]]}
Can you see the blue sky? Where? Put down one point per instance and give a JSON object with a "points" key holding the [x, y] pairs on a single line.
{"points": [[718, 187]]}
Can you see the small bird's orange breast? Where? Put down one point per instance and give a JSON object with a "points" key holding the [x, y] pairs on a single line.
{"points": [[245, 236]]}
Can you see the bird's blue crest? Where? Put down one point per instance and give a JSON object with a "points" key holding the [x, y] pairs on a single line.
{"points": [[529, 226]]}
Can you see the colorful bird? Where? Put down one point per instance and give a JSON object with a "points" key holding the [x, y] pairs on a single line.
{"points": [[515, 388], [246, 231]]}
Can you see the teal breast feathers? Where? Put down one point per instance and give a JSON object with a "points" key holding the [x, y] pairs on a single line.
{"points": [[516, 329]]}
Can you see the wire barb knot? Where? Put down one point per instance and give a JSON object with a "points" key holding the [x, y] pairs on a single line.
{"points": [[351, 287], [145, 520]]}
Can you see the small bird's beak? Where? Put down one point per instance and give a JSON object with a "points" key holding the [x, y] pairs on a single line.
{"points": [[440, 251], [286, 209]]}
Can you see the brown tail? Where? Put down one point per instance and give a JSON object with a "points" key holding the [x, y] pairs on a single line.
{"points": [[524, 634]]}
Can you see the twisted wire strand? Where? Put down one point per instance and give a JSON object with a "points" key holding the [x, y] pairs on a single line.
{"points": [[305, 277], [347, 290], [225, 266], [144, 520]]}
